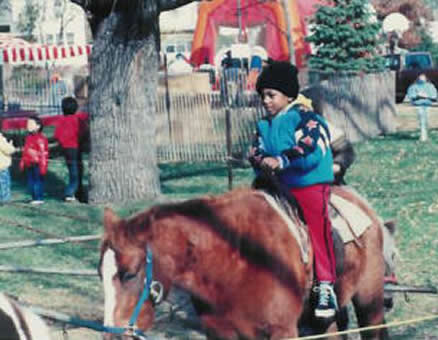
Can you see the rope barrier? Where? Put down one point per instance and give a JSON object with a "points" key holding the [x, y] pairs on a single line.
{"points": [[15, 224], [96, 326], [53, 213], [49, 241], [369, 328]]}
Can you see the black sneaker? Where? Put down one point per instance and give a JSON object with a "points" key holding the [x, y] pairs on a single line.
{"points": [[327, 302]]}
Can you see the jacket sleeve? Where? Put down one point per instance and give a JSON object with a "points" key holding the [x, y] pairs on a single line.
{"points": [[44, 155], [412, 92], [432, 92], [6, 147], [309, 144], [304, 163]]}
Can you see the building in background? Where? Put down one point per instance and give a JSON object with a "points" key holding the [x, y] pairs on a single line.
{"points": [[177, 28], [5, 16], [60, 22]]}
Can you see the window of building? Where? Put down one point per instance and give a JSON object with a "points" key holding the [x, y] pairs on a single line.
{"points": [[170, 49], [70, 38], [59, 39], [5, 28], [49, 39]]}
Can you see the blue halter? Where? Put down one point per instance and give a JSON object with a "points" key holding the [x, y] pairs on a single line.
{"points": [[131, 329]]}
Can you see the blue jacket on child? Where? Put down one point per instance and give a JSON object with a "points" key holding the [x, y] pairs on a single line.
{"points": [[300, 140]]}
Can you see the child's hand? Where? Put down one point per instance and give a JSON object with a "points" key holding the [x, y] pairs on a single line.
{"points": [[21, 165], [270, 162], [254, 157], [252, 151]]}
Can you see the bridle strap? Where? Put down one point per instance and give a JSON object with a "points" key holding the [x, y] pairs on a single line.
{"points": [[146, 288], [131, 329]]}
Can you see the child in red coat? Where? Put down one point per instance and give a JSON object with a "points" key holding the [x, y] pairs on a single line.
{"points": [[68, 133], [35, 159]]}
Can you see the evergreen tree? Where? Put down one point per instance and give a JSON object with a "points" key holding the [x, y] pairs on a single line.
{"points": [[345, 38], [427, 44]]}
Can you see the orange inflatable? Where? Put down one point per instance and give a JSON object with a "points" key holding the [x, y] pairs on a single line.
{"points": [[274, 17]]}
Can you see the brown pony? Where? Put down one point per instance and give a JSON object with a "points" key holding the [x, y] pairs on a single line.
{"points": [[235, 254]]}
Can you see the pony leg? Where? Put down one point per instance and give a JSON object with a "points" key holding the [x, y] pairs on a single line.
{"points": [[342, 321], [370, 312]]}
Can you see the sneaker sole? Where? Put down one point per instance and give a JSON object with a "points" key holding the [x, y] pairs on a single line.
{"points": [[325, 313]]}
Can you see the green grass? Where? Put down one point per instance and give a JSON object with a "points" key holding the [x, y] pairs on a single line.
{"points": [[396, 173]]}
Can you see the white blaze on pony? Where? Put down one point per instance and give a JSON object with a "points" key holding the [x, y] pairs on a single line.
{"points": [[20, 323], [109, 269]]}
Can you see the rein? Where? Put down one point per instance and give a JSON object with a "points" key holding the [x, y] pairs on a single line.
{"points": [[131, 329]]}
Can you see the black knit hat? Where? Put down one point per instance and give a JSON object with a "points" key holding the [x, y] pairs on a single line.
{"points": [[281, 76]]}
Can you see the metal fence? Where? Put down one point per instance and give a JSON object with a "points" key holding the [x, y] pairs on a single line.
{"points": [[37, 88], [191, 117]]}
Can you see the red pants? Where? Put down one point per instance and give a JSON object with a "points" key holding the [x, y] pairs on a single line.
{"points": [[314, 203]]}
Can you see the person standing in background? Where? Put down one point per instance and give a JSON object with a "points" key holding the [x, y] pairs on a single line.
{"points": [[6, 150], [421, 94], [68, 134], [35, 159]]}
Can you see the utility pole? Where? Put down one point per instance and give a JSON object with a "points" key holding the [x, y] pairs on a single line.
{"points": [[286, 9]]}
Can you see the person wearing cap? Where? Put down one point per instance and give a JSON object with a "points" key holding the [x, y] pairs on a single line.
{"points": [[296, 145]]}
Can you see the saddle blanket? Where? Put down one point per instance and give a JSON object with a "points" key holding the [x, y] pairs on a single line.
{"points": [[348, 219]]}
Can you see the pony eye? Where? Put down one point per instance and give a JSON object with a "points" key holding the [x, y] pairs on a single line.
{"points": [[126, 276]]}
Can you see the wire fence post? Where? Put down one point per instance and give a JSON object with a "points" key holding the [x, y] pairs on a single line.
{"points": [[229, 146]]}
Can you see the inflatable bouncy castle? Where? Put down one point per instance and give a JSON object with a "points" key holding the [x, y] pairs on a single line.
{"points": [[278, 21]]}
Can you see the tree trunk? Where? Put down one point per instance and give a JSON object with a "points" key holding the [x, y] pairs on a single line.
{"points": [[124, 79]]}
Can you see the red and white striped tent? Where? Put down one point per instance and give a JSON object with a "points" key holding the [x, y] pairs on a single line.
{"points": [[18, 51]]}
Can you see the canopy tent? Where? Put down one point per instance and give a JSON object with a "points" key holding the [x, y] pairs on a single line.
{"points": [[29, 54], [274, 16], [16, 51]]}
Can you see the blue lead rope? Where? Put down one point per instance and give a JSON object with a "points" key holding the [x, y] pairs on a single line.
{"points": [[146, 290]]}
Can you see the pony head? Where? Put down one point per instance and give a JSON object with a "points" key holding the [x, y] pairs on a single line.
{"points": [[122, 270], [390, 251]]}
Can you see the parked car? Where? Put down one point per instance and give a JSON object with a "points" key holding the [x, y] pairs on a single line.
{"points": [[408, 66]]}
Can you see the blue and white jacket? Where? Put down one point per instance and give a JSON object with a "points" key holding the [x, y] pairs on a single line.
{"points": [[422, 93], [300, 140]]}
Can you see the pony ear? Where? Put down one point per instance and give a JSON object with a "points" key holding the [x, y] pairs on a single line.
{"points": [[391, 226], [110, 220]]}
